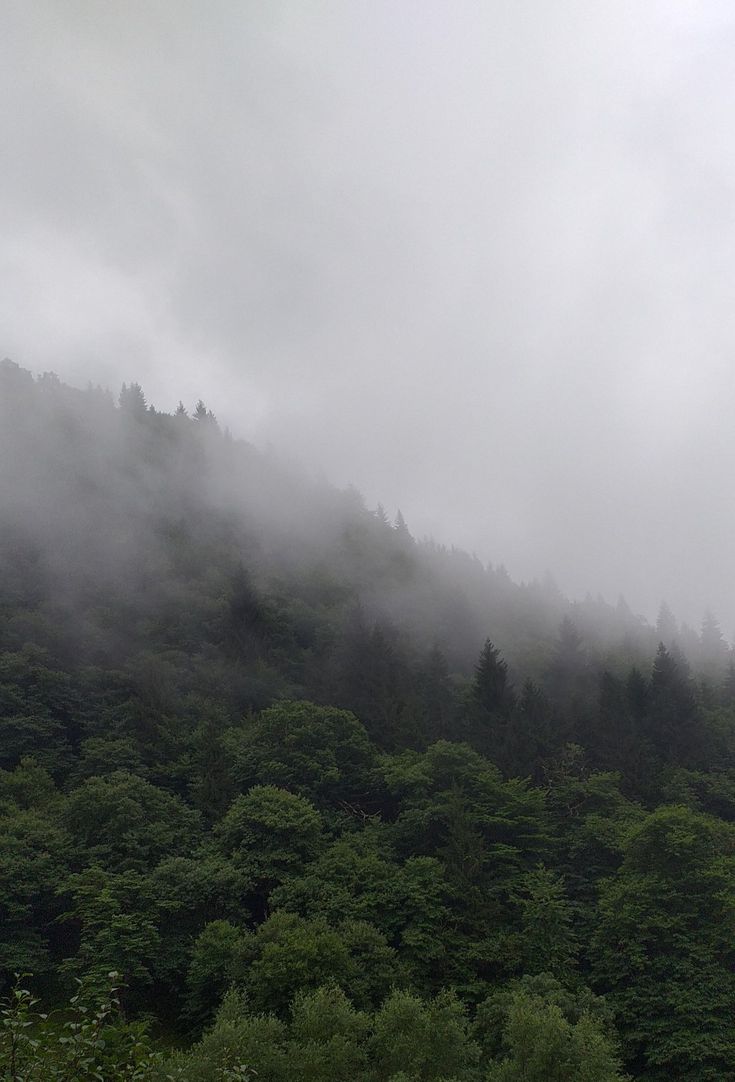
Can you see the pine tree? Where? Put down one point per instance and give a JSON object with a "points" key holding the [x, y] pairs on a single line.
{"points": [[713, 649], [402, 529], [666, 626], [672, 718], [132, 400], [436, 696], [530, 735], [491, 688]]}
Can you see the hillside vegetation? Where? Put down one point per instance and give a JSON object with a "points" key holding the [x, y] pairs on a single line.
{"points": [[288, 794]]}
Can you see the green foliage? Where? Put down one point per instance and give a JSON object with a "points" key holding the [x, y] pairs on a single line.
{"points": [[218, 959], [288, 954], [324, 1039], [318, 752], [456, 805], [116, 921], [664, 945], [359, 878], [543, 1046], [574, 1000], [491, 686], [87, 1042], [327, 1037], [230, 769], [34, 858], [123, 822], [28, 787], [546, 918], [269, 834], [427, 1041], [188, 894], [37, 710]]}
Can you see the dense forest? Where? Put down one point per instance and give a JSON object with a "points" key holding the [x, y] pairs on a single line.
{"points": [[288, 794]]}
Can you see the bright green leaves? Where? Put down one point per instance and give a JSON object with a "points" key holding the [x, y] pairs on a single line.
{"points": [[287, 955], [542, 1045], [325, 1039], [88, 1042]]}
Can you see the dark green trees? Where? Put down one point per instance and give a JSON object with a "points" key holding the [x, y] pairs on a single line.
{"points": [[247, 760], [664, 946], [491, 702], [672, 712], [492, 689], [269, 834], [318, 752]]}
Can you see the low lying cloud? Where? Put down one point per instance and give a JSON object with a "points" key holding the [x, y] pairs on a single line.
{"points": [[475, 258]]}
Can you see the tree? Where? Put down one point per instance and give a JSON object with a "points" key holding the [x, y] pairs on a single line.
{"points": [[437, 698], [401, 529], [124, 822], [28, 787], [531, 735], [217, 961], [667, 628], [289, 954], [238, 1047], [673, 723], [270, 834], [212, 785], [132, 400], [491, 688], [487, 833], [492, 699], [374, 681], [542, 1046], [414, 1039], [319, 752], [359, 879], [327, 1037], [569, 677], [546, 917], [87, 1041], [114, 917], [34, 858], [204, 416], [663, 950], [714, 649]]}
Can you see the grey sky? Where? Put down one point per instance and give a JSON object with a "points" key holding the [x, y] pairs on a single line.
{"points": [[477, 258]]}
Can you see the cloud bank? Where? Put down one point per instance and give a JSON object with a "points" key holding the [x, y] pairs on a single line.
{"points": [[475, 258]]}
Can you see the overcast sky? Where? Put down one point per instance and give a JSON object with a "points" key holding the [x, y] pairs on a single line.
{"points": [[477, 258]]}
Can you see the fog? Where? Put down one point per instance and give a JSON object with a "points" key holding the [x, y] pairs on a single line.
{"points": [[474, 258]]}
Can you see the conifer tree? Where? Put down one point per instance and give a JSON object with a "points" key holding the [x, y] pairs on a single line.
{"points": [[491, 688]]}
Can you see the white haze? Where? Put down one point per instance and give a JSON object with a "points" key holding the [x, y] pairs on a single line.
{"points": [[477, 258]]}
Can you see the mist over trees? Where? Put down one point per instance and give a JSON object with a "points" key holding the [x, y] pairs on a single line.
{"points": [[330, 801]]}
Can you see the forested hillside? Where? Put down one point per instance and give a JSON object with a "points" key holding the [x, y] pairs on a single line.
{"points": [[330, 802]]}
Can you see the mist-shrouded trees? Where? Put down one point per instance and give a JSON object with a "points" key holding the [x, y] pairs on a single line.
{"points": [[334, 803]]}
